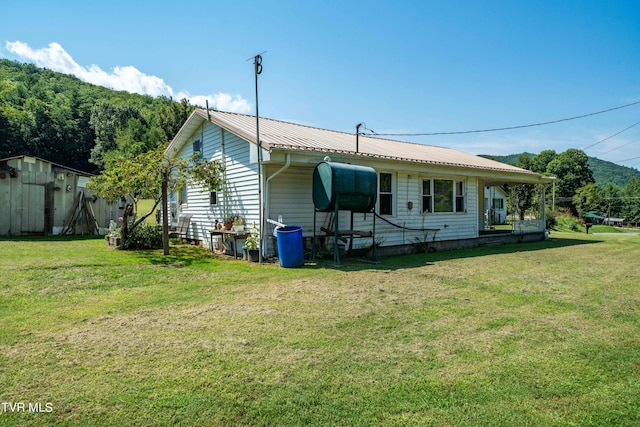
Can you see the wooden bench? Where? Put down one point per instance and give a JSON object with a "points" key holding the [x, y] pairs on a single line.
{"points": [[182, 228]]}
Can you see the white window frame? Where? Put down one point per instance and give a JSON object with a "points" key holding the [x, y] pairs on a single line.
{"points": [[457, 196], [391, 194], [198, 147], [427, 198], [183, 196], [460, 196]]}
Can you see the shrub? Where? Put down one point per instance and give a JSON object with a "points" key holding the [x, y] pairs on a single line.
{"points": [[144, 236], [550, 219], [567, 222]]}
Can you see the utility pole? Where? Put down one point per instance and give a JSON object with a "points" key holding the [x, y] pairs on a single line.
{"points": [[257, 63]]}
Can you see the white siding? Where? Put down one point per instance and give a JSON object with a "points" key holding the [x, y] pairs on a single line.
{"points": [[240, 195], [290, 196], [451, 225]]}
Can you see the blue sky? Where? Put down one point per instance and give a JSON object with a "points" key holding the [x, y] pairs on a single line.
{"points": [[398, 66]]}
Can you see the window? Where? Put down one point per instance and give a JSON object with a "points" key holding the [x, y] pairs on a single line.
{"points": [[182, 195], [498, 203], [386, 194], [197, 149], [427, 199], [442, 195], [459, 196], [213, 198]]}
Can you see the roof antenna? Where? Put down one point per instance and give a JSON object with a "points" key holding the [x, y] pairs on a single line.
{"points": [[358, 135], [257, 63]]}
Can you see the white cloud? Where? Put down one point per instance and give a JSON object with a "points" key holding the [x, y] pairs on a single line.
{"points": [[219, 101], [127, 78]]}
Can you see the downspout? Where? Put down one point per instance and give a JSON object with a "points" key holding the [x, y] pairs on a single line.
{"points": [[286, 165]]}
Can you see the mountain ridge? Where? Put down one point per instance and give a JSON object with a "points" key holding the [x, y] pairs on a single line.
{"points": [[604, 172]]}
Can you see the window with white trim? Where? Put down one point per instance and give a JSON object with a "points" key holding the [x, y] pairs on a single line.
{"points": [[459, 187], [385, 203], [443, 195], [182, 195], [198, 149], [427, 198]]}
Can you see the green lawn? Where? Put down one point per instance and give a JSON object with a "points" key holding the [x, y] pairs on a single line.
{"points": [[145, 206], [542, 334]]}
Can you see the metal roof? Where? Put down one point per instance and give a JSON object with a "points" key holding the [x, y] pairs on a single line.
{"points": [[58, 165], [276, 134]]}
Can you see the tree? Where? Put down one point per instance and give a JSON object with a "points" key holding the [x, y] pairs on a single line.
{"points": [[523, 194], [60, 118], [151, 175], [171, 116], [631, 210], [572, 170], [7, 136], [132, 179], [613, 201], [587, 199], [116, 129], [208, 174], [540, 162]]}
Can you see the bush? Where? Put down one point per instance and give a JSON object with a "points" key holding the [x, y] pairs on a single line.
{"points": [[144, 236], [550, 219], [567, 222]]}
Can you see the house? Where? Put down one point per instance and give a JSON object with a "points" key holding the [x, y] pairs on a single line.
{"points": [[594, 218], [422, 189], [616, 222], [495, 206], [38, 197]]}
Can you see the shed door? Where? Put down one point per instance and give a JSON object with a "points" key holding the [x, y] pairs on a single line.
{"points": [[33, 209]]}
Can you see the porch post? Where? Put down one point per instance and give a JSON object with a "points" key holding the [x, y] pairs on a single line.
{"points": [[543, 206]]}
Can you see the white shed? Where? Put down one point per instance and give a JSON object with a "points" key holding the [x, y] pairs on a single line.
{"points": [[420, 186]]}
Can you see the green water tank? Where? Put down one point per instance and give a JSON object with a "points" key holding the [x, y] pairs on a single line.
{"points": [[352, 187]]}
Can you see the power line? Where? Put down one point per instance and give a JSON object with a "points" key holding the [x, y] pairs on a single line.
{"points": [[609, 137], [626, 160], [617, 148], [507, 128]]}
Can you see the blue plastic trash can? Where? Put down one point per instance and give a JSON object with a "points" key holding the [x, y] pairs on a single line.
{"points": [[290, 247]]}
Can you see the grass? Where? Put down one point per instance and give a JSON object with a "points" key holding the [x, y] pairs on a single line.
{"points": [[533, 334], [144, 207]]}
